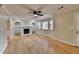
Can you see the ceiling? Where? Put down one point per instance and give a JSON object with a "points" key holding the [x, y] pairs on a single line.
{"points": [[23, 10]]}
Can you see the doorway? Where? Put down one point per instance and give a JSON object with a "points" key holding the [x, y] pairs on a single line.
{"points": [[77, 29]]}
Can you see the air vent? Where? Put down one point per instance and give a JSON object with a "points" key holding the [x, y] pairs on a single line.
{"points": [[60, 7]]}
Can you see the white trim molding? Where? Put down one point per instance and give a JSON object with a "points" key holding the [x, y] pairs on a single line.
{"points": [[4, 48]]}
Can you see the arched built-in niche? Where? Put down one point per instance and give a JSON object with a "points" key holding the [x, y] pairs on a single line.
{"points": [[18, 23]]}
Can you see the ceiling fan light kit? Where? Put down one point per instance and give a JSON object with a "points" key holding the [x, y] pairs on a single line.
{"points": [[35, 15]]}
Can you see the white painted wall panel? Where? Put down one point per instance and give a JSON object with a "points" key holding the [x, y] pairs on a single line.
{"points": [[3, 34]]}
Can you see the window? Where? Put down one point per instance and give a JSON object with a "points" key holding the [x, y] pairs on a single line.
{"points": [[51, 25], [39, 25], [45, 25]]}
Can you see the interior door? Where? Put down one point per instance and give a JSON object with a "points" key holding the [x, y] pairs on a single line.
{"points": [[77, 29]]}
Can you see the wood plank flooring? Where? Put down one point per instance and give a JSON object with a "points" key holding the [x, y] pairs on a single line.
{"points": [[38, 44]]}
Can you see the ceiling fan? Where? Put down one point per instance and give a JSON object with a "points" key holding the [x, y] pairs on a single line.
{"points": [[39, 12], [36, 12]]}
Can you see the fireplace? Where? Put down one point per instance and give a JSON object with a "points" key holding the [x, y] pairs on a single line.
{"points": [[26, 31]]}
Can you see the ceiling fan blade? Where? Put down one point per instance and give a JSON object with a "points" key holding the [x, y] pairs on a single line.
{"points": [[50, 13], [40, 14], [27, 7], [39, 11], [41, 7]]}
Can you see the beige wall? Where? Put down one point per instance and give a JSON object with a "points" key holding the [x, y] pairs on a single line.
{"points": [[64, 27]]}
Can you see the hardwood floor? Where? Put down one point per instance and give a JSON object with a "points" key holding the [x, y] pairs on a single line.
{"points": [[38, 44]]}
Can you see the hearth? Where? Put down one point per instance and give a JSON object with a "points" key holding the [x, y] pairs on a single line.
{"points": [[26, 31]]}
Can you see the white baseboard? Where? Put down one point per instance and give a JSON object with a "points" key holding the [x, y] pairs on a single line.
{"points": [[64, 42], [4, 48], [58, 39]]}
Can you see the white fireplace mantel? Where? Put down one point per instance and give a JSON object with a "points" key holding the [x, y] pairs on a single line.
{"points": [[20, 28]]}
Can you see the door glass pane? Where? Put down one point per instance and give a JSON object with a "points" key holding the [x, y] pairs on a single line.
{"points": [[45, 25], [51, 25]]}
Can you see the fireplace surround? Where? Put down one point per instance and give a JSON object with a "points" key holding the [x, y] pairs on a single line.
{"points": [[26, 31], [20, 28]]}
